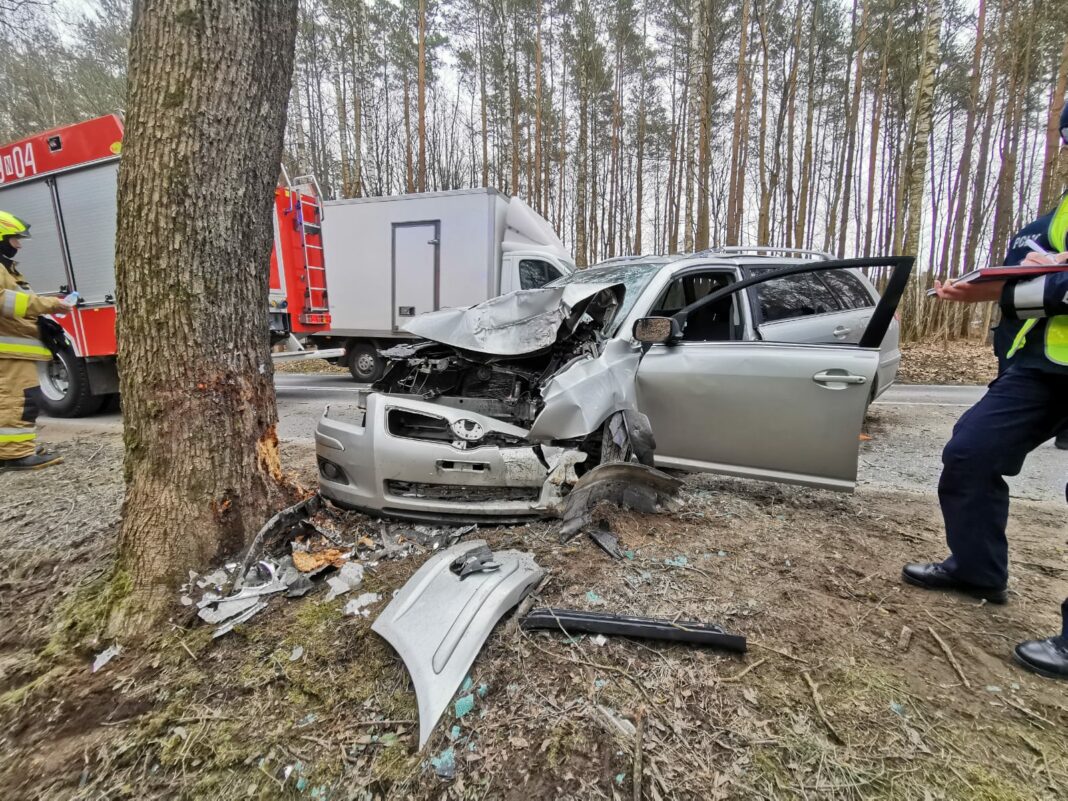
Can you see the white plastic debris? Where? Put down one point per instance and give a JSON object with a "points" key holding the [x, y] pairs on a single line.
{"points": [[296, 653], [599, 640], [357, 606], [106, 656], [349, 577]]}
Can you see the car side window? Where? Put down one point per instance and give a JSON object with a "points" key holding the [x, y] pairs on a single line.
{"points": [[794, 296], [850, 291], [713, 323], [534, 273]]}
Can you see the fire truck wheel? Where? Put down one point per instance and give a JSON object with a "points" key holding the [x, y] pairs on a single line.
{"points": [[364, 363], [65, 388]]}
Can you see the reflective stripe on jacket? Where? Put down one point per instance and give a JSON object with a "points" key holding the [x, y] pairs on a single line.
{"points": [[19, 309], [1043, 299]]}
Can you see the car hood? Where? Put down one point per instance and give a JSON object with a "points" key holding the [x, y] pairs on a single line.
{"points": [[522, 322]]}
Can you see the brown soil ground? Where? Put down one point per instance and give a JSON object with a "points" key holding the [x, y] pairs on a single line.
{"points": [[846, 692], [965, 361]]}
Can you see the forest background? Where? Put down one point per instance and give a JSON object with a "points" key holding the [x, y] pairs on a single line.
{"points": [[856, 127]]}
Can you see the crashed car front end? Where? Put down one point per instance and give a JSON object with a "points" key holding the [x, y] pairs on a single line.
{"points": [[417, 459], [494, 419]]}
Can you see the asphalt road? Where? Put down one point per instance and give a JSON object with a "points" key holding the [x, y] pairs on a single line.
{"points": [[909, 425]]}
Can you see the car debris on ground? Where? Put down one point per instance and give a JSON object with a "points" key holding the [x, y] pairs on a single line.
{"points": [[297, 551], [568, 621], [442, 616]]}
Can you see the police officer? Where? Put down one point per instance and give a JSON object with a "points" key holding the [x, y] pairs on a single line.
{"points": [[1020, 249], [1024, 406], [19, 350]]}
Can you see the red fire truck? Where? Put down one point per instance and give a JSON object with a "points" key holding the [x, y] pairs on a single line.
{"points": [[63, 182]]}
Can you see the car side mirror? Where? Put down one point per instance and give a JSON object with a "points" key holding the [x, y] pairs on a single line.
{"points": [[656, 330]]}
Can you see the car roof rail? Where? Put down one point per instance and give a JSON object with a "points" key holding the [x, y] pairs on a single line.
{"points": [[738, 250]]}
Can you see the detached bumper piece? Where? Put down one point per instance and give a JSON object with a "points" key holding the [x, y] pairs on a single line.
{"points": [[573, 622], [440, 619]]}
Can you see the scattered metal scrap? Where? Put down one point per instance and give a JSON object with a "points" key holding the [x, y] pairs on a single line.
{"points": [[300, 549], [106, 656], [574, 621], [439, 621], [625, 484]]}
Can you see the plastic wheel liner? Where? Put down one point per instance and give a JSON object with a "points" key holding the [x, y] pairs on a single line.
{"points": [[438, 622]]}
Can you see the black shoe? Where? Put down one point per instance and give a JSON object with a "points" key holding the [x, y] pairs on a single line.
{"points": [[1061, 441], [1047, 658], [933, 576], [35, 461]]}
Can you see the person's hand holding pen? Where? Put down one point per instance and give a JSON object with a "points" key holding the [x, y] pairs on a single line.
{"points": [[973, 292]]}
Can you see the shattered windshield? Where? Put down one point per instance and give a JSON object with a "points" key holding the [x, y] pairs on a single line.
{"points": [[634, 276]]}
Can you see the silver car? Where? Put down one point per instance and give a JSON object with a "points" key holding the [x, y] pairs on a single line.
{"points": [[500, 408]]}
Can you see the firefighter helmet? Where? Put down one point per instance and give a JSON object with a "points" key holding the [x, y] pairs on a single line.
{"points": [[10, 225]]}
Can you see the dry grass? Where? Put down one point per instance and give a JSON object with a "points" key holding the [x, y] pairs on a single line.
{"points": [[960, 361]]}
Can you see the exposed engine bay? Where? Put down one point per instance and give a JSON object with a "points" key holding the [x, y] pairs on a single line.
{"points": [[500, 358]]}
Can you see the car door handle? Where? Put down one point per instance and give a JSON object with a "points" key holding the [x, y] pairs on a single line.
{"points": [[830, 377], [841, 332]]}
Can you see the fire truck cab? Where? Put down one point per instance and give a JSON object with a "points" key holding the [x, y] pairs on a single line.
{"points": [[63, 183]]}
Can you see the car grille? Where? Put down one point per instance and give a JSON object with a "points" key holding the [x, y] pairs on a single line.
{"points": [[460, 493]]}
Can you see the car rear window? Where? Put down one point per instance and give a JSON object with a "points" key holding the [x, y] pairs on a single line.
{"points": [[850, 290], [794, 296]]}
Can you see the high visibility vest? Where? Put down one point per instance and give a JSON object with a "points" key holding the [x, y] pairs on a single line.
{"points": [[1057, 327]]}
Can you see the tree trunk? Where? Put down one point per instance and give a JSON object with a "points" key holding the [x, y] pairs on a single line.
{"points": [[737, 177], [764, 209], [409, 169], [482, 99], [806, 157], [873, 150], [421, 95], [704, 140], [851, 129], [912, 182], [1052, 187], [537, 188], [196, 192]]}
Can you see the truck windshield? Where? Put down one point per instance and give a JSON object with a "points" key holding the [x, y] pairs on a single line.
{"points": [[635, 276]]}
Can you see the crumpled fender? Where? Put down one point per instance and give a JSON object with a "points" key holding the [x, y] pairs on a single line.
{"points": [[580, 397]]}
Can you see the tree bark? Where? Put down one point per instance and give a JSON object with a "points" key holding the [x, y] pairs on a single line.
{"points": [[851, 129], [1052, 187], [737, 177], [421, 95], [208, 86], [704, 140], [912, 182], [800, 223]]}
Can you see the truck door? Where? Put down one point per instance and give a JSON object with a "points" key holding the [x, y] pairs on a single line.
{"points": [[90, 211], [416, 268]]}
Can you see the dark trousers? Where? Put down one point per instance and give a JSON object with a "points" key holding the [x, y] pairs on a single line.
{"points": [[1004, 334], [1022, 409]]}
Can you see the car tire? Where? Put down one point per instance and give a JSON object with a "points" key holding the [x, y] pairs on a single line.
{"points": [[65, 390], [364, 363]]}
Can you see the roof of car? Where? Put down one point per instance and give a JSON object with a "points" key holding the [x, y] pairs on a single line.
{"points": [[736, 256]]}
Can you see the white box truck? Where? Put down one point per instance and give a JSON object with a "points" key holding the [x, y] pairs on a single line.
{"points": [[389, 259]]}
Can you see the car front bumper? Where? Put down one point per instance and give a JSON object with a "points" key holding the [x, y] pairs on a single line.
{"points": [[380, 466]]}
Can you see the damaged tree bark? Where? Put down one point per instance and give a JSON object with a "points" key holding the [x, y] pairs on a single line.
{"points": [[208, 86]]}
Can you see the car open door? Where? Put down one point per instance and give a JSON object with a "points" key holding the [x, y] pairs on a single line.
{"points": [[777, 411]]}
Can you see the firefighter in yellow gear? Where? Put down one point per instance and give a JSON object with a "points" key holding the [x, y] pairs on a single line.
{"points": [[20, 350]]}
